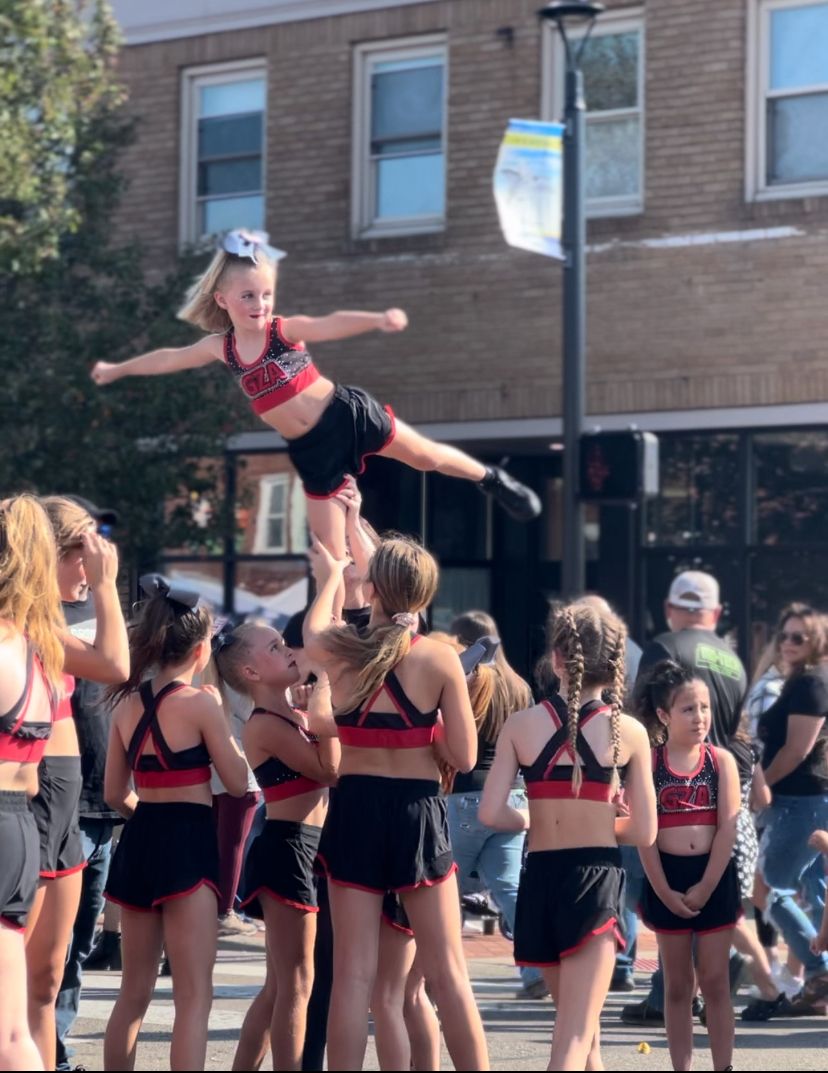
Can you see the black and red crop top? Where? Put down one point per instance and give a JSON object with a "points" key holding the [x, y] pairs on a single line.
{"points": [[545, 778], [163, 768], [278, 781], [23, 741], [282, 370], [685, 800], [405, 728]]}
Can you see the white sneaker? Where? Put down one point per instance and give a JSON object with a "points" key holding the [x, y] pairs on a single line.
{"points": [[785, 980], [230, 924]]}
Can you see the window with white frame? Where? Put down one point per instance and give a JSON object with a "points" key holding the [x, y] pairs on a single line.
{"points": [[399, 168], [790, 98], [272, 534], [613, 69], [222, 149]]}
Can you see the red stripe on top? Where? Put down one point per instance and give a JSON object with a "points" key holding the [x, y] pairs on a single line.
{"points": [[64, 707], [371, 738], [295, 387], [562, 791], [292, 788], [156, 780], [703, 818]]}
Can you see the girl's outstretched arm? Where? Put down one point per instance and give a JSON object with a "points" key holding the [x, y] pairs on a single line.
{"points": [[341, 325], [159, 362]]}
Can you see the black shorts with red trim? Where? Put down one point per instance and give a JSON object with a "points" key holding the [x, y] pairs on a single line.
{"points": [[19, 859], [55, 809], [352, 426], [566, 897], [385, 834], [166, 850], [280, 865], [394, 914], [721, 910]]}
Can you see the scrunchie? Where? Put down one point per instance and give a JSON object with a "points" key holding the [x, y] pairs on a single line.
{"points": [[407, 619]]}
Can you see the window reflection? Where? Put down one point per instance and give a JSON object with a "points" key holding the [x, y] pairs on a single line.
{"points": [[698, 501], [791, 493]]}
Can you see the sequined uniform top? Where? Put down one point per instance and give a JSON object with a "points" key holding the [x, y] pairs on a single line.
{"points": [[281, 372], [686, 800], [278, 781]]}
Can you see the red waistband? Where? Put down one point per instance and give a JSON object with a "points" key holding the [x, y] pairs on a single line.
{"points": [[290, 390], [290, 789], [560, 790], [703, 818], [373, 738], [156, 780]]}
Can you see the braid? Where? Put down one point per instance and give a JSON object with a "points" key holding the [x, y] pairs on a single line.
{"points": [[617, 663], [574, 656]]}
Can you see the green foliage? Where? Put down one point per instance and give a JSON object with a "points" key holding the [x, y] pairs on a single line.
{"points": [[70, 295]]}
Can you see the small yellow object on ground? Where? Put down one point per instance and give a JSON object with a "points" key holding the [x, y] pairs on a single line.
{"points": [[643, 1048]]}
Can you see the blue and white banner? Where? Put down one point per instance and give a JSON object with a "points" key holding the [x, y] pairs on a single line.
{"points": [[528, 186]]}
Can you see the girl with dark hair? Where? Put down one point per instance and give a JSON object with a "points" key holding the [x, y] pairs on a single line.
{"points": [[574, 755], [164, 874], [294, 768], [395, 695], [31, 665], [794, 738], [691, 889]]}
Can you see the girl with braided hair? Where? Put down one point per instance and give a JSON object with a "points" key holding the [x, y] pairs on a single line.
{"points": [[691, 892], [575, 751]]}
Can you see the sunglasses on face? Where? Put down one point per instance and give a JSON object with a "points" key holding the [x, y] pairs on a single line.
{"points": [[794, 638]]}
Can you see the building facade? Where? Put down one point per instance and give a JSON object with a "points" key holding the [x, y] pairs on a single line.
{"points": [[362, 135]]}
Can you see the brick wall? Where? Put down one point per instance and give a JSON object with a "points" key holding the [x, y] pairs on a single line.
{"points": [[718, 324]]}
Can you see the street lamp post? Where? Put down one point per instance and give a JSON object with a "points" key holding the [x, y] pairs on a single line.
{"points": [[573, 568]]}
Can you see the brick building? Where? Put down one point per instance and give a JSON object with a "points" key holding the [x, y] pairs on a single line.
{"points": [[363, 133]]}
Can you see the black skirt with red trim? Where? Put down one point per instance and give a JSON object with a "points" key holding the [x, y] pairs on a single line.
{"points": [[385, 834], [280, 865], [353, 426], [565, 898], [721, 910], [19, 859], [166, 850], [55, 809]]}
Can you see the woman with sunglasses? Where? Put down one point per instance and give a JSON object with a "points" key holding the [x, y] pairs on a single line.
{"points": [[794, 737]]}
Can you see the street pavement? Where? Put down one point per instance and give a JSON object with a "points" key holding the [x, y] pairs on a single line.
{"points": [[518, 1030]]}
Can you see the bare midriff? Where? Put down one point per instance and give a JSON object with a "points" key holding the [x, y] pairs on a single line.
{"points": [[390, 763], [300, 414], [570, 824], [63, 741], [303, 808], [689, 841], [18, 778]]}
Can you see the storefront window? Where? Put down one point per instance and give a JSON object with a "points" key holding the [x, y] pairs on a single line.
{"points": [[461, 589], [791, 492], [698, 502]]}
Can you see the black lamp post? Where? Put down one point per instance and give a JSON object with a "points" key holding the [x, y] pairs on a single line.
{"points": [[573, 15]]}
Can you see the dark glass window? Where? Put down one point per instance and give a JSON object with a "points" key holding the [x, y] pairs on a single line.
{"points": [[791, 491], [458, 523], [698, 502]]}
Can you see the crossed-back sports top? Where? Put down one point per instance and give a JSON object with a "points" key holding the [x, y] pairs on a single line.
{"points": [[545, 778], [163, 768], [405, 728], [21, 740], [278, 781], [64, 707], [282, 370], [685, 800]]}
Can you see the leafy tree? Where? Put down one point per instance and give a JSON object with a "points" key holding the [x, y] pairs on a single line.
{"points": [[70, 295]]}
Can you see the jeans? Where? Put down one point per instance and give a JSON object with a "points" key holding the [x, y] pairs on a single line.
{"points": [[634, 870], [789, 865], [96, 838], [496, 857]]}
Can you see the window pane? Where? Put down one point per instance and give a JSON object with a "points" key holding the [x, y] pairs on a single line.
{"points": [[276, 533], [230, 176], [610, 67], [229, 137], [791, 493], [407, 145], [613, 158], [230, 98], [799, 47], [226, 213], [697, 503], [797, 145], [410, 186], [277, 497], [406, 103]]}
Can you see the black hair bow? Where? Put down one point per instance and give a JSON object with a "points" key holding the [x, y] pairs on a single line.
{"points": [[223, 635], [156, 583]]}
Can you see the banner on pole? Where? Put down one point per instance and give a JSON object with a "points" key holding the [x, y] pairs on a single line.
{"points": [[528, 186]]}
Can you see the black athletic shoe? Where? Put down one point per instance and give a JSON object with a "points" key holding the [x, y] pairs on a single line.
{"points": [[515, 498], [642, 1013], [622, 981], [105, 955], [762, 1009]]}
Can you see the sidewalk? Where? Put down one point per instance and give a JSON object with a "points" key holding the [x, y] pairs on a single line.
{"points": [[518, 1030]]}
